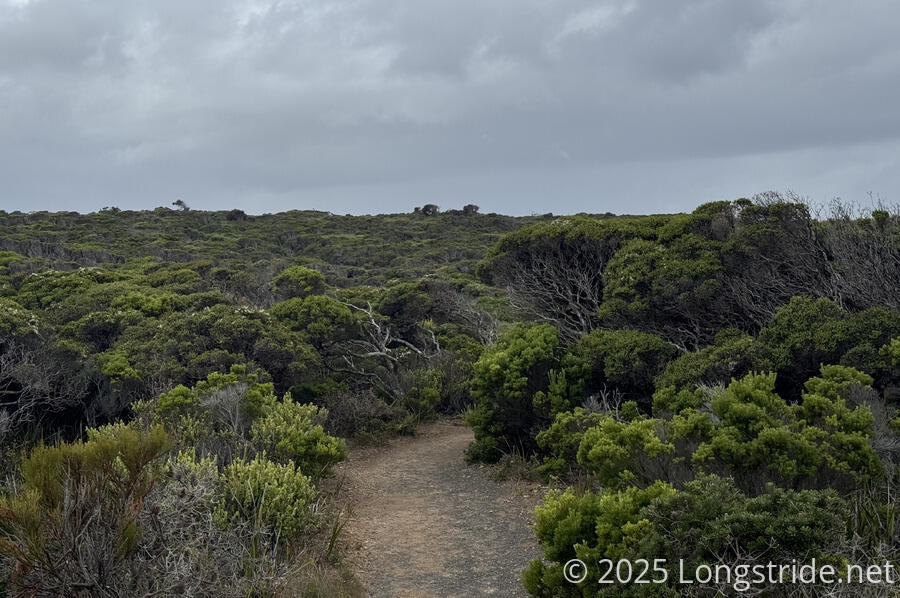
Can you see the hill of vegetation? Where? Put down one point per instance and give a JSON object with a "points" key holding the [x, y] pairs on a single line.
{"points": [[349, 250]]}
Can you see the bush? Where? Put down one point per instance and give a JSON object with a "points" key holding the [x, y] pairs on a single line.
{"points": [[732, 355], [290, 432], [422, 392], [508, 377], [323, 320], [589, 527], [671, 287], [746, 431], [298, 281], [455, 369], [269, 496], [623, 362], [620, 453], [188, 552], [216, 414], [75, 521], [807, 333], [708, 522], [820, 440], [364, 416], [561, 440]]}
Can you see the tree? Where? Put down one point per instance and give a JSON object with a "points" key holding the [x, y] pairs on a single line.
{"points": [[670, 288], [775, 254], [865, 250], [381, 356], [553, 271]]}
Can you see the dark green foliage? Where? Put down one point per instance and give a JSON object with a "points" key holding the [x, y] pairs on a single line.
{"points": [[554, 269], [708, 522], [732, 355], [364, 415], [349, 250], [406, 304], [622, 363], [179, 348], [561, 440], [672, 288], [508, 376], [323, 320], [299, 282], [806, 333]]}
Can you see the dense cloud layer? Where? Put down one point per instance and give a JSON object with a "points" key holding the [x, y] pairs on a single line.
{"points": [[378, 105]]}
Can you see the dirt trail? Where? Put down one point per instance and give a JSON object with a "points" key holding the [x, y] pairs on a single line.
{"points": [[425, 524]]}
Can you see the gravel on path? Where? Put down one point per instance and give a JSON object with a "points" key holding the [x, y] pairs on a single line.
{"points": [[423, 523]]}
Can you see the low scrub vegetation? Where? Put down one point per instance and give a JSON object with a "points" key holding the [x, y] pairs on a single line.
{"points": [[177, 387]]}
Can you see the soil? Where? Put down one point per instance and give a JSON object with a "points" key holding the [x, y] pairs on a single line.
{"points": [[423, 523]]}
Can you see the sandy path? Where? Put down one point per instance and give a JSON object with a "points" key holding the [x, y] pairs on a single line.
{"points": [[425, 524]]}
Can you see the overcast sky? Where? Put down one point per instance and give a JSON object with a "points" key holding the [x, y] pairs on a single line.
{"points": [[519, 106]]}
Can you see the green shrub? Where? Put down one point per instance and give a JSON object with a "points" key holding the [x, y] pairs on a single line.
{"points": [[623, 362], [153, 305], [78, 501], [508, 376], [819, 439], [215, 415], [16, 321], [271, 496], [715, 518], [364, 416], [708, 522], [667, 402], [732, 355], [291, 432], [422, 393], [323, 320], [670, 286], [625, 452], [560, 441], [258, 395], [808, 333], [589, 527], [298, 281], [746, 431]]}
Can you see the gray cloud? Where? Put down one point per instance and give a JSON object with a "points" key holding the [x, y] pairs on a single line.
{"points": [[378, 105]]}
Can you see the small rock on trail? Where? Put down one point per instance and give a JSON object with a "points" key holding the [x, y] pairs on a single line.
{"points": [[425, 524]]}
